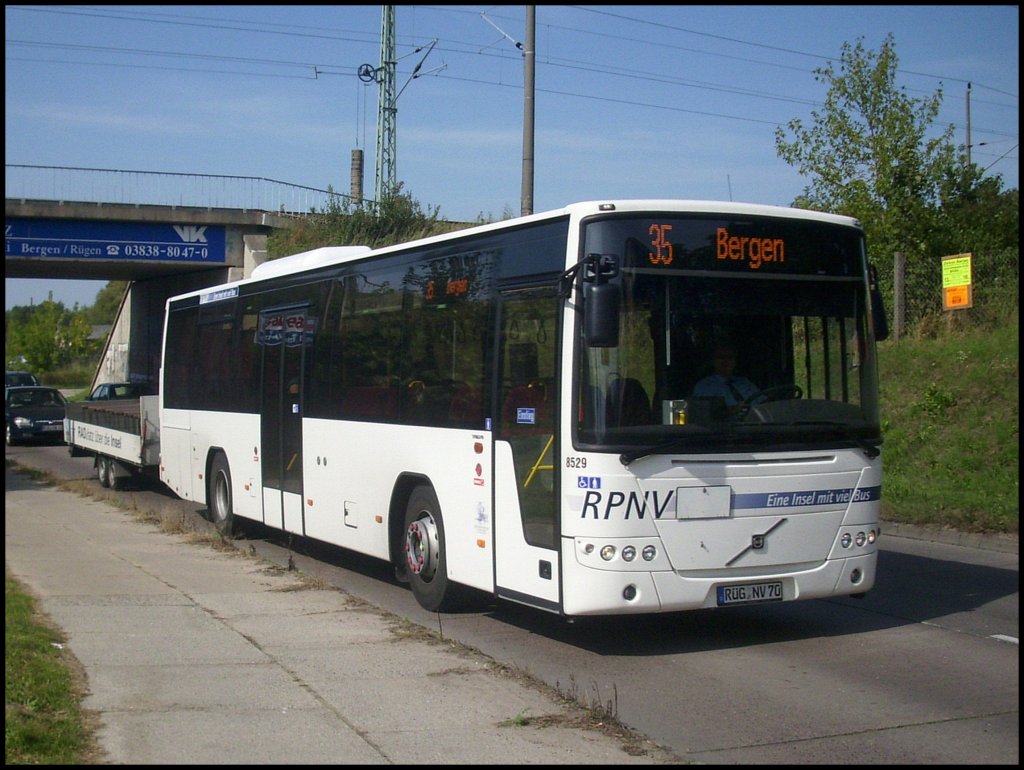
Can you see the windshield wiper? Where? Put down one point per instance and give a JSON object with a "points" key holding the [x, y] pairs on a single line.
{"points": [[871, 449], [750, 431], [635, 454]]}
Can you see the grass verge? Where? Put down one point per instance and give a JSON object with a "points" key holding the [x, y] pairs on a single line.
{"points": [[950, 422], [43, 688]]}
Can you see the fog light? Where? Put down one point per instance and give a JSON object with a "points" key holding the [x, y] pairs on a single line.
{"points": [[861, 538], [608, 552], [628, 553], [846, 540], [855, 576], [649, 552], [629, 593]]}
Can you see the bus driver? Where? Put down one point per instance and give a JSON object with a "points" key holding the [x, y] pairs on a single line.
{"points": [[724, 383]]}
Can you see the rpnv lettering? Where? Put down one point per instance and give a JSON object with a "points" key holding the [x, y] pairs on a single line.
{"points": [[598, 506]]}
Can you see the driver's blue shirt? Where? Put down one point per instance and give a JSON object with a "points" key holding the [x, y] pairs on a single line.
{"points": [[732, 390]]}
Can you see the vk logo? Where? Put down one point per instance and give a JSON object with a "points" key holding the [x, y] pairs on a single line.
{"points": [[191, 233]]}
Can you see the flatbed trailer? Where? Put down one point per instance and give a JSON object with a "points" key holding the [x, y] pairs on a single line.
{"points": [[123, 437]]}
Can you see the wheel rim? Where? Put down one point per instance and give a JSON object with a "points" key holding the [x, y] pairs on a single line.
{"points": [[221, 498], [422, 547], [101, 470]]}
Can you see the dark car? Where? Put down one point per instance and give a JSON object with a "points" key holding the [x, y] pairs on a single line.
{"points": [[12, 379], [34, 413], [115, 391]]}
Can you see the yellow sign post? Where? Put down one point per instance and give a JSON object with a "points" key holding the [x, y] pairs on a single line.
{"points": [[957, 291]]}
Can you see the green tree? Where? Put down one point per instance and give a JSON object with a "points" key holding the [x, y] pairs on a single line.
{"points": [[396, 219], [108, 302], [869, 154], [47, 336], [978, 215]]}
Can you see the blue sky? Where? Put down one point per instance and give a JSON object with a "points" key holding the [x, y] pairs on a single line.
{"points": [[631, 101]]}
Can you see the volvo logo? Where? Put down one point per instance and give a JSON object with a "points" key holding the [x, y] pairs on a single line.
{"points": [[757, 542]]}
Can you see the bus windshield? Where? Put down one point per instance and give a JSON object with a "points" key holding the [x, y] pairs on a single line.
{"points": [[735, 334]]}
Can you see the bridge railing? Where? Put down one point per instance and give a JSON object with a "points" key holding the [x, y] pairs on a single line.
{"points": [[162, 188]]}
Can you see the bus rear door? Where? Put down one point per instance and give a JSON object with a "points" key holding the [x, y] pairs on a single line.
{"points": [[283, 333]]}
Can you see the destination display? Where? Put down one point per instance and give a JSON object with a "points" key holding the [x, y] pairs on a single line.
{"points": [[723, 244], [78, 239]]}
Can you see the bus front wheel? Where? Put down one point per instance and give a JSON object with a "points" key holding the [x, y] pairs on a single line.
{"points": [[424, 552], [219, 496]]}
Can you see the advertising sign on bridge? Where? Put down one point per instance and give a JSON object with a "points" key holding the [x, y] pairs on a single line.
{"points": [[58, 239]]}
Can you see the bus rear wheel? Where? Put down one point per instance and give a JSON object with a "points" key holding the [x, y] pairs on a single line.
{"points": [[219, 498], [424, 552]]}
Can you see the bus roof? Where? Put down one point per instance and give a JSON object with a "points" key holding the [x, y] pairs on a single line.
{"points": [[336, 255], [585, 208]]}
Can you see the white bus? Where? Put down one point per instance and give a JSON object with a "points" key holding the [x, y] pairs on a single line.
{"points": [[510, 408]]}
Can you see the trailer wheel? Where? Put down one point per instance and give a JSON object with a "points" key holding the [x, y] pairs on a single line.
{"points": [[101, 471], [219, 498], [113, 482], [425, 555]]}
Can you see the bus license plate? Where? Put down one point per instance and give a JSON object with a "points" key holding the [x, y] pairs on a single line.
{"points": [[750, 593]]}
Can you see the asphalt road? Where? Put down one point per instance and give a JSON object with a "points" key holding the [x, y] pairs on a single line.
{"points": [[923, 670]]}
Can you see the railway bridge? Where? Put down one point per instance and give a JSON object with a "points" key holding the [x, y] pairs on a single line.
{"points": [[173, 245]]}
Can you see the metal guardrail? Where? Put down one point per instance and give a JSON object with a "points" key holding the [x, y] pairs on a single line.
{"points": [[162, 188]]}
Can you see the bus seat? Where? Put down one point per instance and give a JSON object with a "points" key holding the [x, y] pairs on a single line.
{"points": [[628, 403], [467, 408], [527, 410], [370, 402]]}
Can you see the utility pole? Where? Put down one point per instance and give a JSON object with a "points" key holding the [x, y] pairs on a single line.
{"points": [[387, 111], [528, 111], [968, 125]]}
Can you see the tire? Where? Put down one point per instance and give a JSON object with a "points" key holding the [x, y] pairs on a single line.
{"points": [[11, 439], [424, 551], [102, 472], [113, 482], [219, 498]]}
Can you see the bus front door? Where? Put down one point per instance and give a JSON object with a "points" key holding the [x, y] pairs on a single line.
{"points": [[526, 470], [283, 333]]}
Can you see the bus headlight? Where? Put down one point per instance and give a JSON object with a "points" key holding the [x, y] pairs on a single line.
{"points": [[861, 539], [628, 553], [846, 540], [649, 552], [608, 552]]}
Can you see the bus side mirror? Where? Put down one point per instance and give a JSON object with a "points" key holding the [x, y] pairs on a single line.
{"points": [[881, 323], [601, 315]]}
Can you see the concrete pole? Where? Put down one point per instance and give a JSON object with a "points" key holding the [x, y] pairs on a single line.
{"points": [[528, 111]]}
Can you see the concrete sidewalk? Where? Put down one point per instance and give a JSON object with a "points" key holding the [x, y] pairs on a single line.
{"points": [[197, 655]]}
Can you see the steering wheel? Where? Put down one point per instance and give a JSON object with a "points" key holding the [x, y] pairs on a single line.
{"points": [[774, 393]]}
